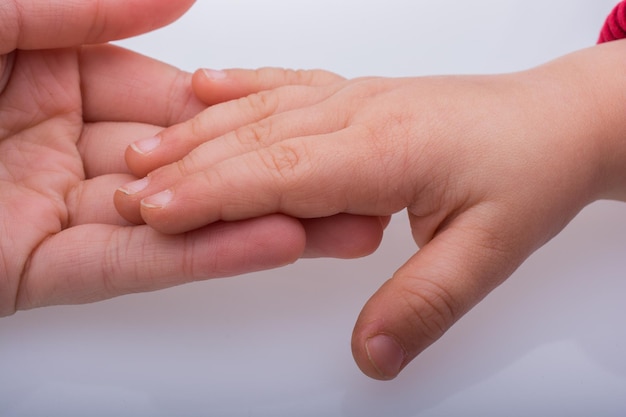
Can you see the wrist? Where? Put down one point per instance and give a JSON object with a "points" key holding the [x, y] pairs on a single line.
{"points": [[587, 90], [611, 136], [606, 92]]}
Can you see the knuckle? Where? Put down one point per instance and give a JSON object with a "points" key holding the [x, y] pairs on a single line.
{"points": [[310, 77], [286, 76], [282, 161], [434, 309], [260, 105], [186, 166], [179, 98], [299, 76], [98, 24], [197, 128], [255, 134], [118, 245]]}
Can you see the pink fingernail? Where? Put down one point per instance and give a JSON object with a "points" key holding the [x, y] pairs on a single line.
{"points": [[159, 200], [135, 186], [147, 145], [214, 74], [385, 354]]}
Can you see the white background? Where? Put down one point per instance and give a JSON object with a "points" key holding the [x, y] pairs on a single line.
{"points": [[549, 342]]}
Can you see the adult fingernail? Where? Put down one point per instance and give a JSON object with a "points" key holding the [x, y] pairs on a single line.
{"points": [[385, 354], [158, 200], [214, 74], [147, 145], [135, 186]]}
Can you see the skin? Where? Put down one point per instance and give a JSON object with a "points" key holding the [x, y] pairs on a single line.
{"points": [[69, 107], [488, 168]]}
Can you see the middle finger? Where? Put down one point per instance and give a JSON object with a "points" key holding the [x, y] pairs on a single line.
{"points": [[302, 122], [247, 120]]}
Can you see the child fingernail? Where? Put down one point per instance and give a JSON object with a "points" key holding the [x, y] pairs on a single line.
{"points": [[214, 74], [135, 186], [385, 354], [159, 200], [147, 145]]}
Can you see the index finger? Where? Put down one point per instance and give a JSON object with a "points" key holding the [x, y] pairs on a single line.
{"points": [[36, 24], [118, 85]]}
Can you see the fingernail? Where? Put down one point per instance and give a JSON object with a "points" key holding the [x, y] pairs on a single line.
{"points": [[135, 186], [158, 200], [214, 74], [147, 145], [385, 354]]}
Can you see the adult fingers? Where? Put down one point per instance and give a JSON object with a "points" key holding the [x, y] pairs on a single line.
{"points": [[343, 236], [439, 284], [36, 24], [118, 85], [95, 262], [90, 201], [246, 124], [214, 87], [102, 146]]}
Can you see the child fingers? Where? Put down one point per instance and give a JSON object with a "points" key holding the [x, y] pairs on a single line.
{"points": [[214, 87], [250, 138], [306, 177], [244, 118]]}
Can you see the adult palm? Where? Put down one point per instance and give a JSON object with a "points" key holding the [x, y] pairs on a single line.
{"points": [[65, 120]]}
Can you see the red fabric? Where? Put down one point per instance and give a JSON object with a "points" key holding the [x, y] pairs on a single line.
{"points": [[615, 26]]}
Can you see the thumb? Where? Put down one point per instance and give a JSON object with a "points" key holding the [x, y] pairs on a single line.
{"points": [[34, 24], [439, 284]]}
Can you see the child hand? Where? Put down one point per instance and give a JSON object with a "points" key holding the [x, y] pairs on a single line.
{"points": [[339, 236], [489, 169]]}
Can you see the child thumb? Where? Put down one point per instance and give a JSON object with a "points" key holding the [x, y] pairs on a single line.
{"points": [[429, 293]]}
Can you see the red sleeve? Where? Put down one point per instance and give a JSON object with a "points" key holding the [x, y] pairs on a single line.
{"points": [[615, 26]]}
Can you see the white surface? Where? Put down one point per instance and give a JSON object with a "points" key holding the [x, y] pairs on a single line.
{"points": [[549, 342]]}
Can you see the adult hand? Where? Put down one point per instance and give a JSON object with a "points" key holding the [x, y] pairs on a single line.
{"points": [[67, 113], [489, 168]]}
